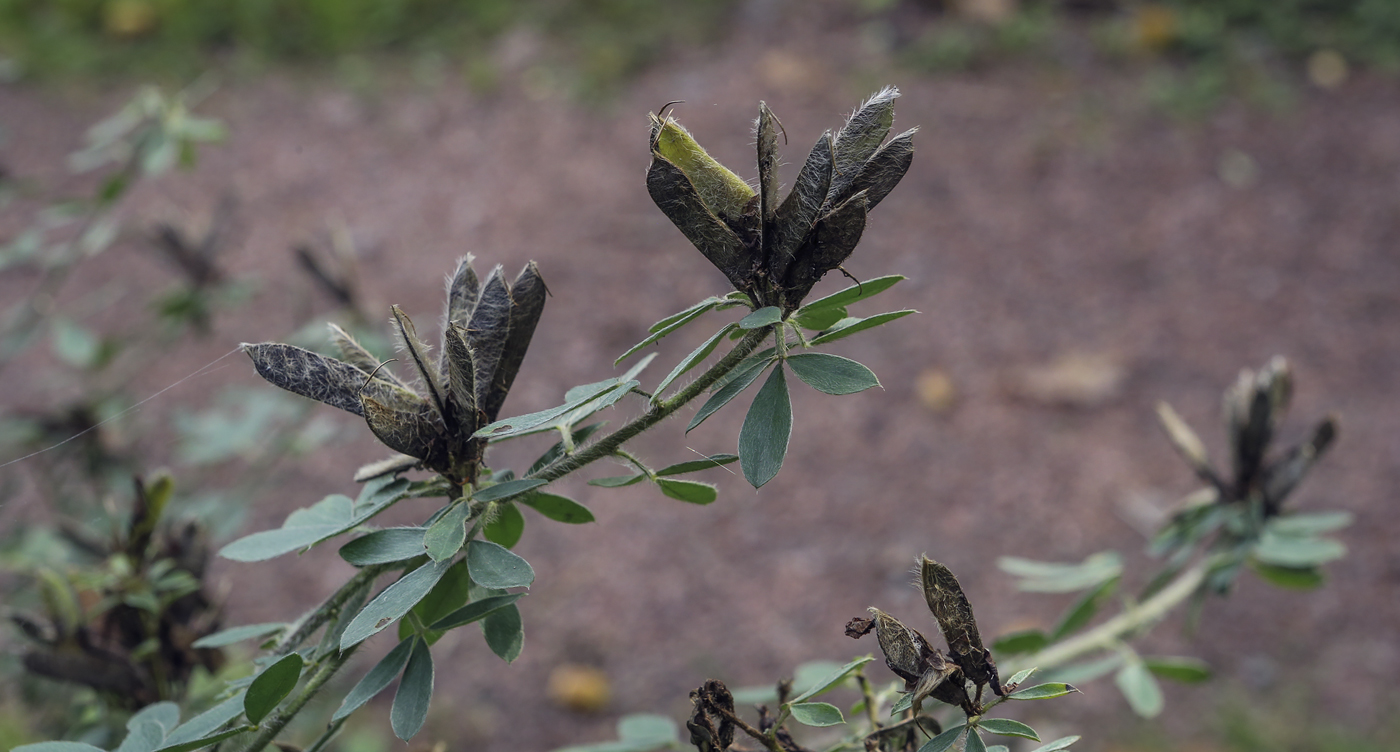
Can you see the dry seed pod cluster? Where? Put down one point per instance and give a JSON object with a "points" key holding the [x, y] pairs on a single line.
{"points": [[486, 334], [776, 251], [927, 673]]}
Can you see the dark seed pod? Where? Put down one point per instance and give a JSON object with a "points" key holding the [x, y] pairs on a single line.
{"points": [[954, 614], [324, 379], [355, 354], [527, 296]]}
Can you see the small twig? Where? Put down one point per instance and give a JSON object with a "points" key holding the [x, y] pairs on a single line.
{"points": [[768, 742]]}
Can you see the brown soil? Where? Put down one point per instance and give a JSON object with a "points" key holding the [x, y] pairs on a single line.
{"points": [[1049, 214]]}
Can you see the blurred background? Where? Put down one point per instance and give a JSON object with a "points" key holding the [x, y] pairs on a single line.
{"points": [[1112, 203]]}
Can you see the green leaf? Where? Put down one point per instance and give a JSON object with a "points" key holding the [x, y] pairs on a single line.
{"points": [[494, 566], [1177, 668], [504, 632], [693, 466], [974, 742], [1293, 578], [1022, 675], [384, 546], [377, 680], [763, 441], [833, 680], [557, 508], [508, 526], [507, 489], [207, 741], [817, 714], [1079, 673], [905, 702], [205, 723], [670, 324], [148, 727], [855, 293], [998, 748], [415, 693], [271, 687], [1139, 688], [1053, 577], [237, 634], [832, 374], [445, 537], [301, 529], [1062, 743], [766, 316], [74, 345], [58, 747], [692, 491], [693, 359], [1296, 552], [648, 728], [722, 396], [819, 320], [846, 327], [1309, 524], [449, 594], [945, 740], [1083, 609], [1020, 643], [522, 424], [474, 611], [328, 518], [617, 481], [1044, 691], [1008, 727], [395, 601]]}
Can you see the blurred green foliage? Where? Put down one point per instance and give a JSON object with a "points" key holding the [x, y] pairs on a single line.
{"points": [[601, 40]]}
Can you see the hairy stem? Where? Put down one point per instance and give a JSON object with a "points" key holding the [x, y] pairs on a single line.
{"points": [[328, 610], [658, 412], [273, 724], [1133, 620]]}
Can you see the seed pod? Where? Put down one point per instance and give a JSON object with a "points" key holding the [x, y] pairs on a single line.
{"points": [[1285, 474], [487, 332], [905, 649], [461, 379], [883, 172], [797, 215], [857, 141], [462, 290], [416, 434], [324, 379], [678, 199], [355, 354], [417, 352], [767, 139], [828, 247], [722, 192], [954, 614], [527, 296]]}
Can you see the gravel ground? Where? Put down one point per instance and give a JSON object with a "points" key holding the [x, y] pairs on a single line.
{"points": [[1050, 222]]}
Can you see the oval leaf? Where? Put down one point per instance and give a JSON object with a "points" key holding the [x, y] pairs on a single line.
{"points": [[767, 316], [1176, 668], [378, 678], [237, 634], [832, 374], [1018, 643], [817, 714], [617, 481], [445, 537], [831, 681], [647, 728], [847, 327], [558, 508], [945, 740], [504, 632], [271, 687], [474, 611], [507, 528], [207, 741], [763, 441], [693, 359], [692, 491], [974, 742], [493, 566], [1293, 578], [205, 723], [415, 693], [1140, 689], [508, 489], [1062, 743], [395, 601], [744, 375], [1008, 727], [384, 546], [694, 466], [1043, 691]]}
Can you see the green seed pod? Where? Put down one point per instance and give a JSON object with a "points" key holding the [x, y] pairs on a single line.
{"points": [[723, 193]]}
